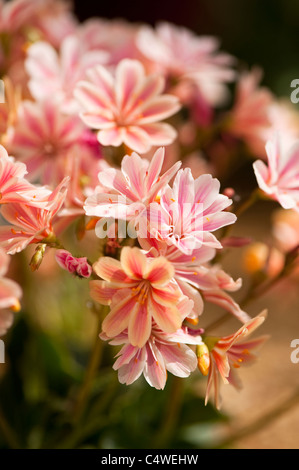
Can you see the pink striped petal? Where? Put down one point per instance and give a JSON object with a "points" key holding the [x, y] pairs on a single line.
{"points": [[136, 139], [101, 292], [160, 133], [168, 318], [159, 271], [119, 316], [180, 359], [114, 136], [129, 74], [155, 371], [110, 270], [133, 262], [159, 108], [140, 325]]}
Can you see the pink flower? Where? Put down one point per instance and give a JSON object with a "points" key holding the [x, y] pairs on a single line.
{"points": [[131, 189], [56, 75], [229, 352], [250, 120], [280, 179], [127, 107], [189, 211], [43, 138], [161, 353], [139, 291], [179, 53], [78, 266], [10, 294], [30, 223]]}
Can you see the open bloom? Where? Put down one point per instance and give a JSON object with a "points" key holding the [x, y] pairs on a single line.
{"points": [[131, 189], [10, 294], [161, 353], [74, 265], [179, 53], [56, 74], [43, 137], [229, 353], [127, 107], [139, 290], [30, 223], [280, 179], [189, 211]]}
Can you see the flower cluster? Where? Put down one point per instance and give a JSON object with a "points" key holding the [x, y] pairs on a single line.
{"points": [[126, 129]]}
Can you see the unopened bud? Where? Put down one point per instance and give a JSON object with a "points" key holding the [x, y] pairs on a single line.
{"points": [[203, 358], [37, 258]]}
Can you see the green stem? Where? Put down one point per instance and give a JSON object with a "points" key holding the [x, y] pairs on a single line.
{"points": [[171, 415], [93, 366]]}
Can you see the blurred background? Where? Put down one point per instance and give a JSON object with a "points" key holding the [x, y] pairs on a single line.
{"points": [[263, 33]]}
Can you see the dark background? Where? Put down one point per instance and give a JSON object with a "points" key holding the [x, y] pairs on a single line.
{"points": [[257, 32]]}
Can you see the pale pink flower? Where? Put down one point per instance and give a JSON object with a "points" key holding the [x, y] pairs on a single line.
{"points": [[161, 353], [43, 137], [179, 53], [139, 291], [10, 294], [229, 353], [127, 107], [30, 223], [56, 74], [67, 261], [189, 211], [131, 189], [249, 117], [280, 179]]}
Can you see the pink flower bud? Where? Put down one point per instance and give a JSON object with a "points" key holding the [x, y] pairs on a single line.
{"points": [[78, 266]]}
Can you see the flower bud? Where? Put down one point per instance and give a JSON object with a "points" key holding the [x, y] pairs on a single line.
{"points": [[37, 257], [203, 358]]}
